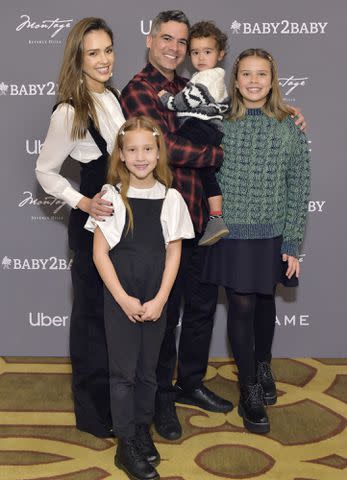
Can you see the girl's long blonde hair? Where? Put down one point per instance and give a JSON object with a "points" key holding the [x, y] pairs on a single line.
{"points": [[274, 106], [117, 170], [71, 87]]}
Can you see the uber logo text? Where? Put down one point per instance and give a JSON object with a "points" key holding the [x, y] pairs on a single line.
{"points": [[40, 319], [145, 29], [33, 147]]}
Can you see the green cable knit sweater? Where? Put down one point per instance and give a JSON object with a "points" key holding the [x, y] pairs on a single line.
{"points": [[265, 179]]}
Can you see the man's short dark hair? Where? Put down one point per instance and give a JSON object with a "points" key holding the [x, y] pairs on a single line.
{"points": [[168, 16]]}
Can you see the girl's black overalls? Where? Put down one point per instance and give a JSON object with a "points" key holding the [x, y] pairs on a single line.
{"points": [[139, 261]]}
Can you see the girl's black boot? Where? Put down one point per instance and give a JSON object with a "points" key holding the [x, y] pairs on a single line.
{"points": [[251, 408], [129, 459], [266, 379]]}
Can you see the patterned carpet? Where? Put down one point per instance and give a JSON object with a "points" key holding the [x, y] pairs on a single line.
{"points": [[308, 438]]}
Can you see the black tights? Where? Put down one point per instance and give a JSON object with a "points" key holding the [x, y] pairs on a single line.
{"points": [[251, 326]]}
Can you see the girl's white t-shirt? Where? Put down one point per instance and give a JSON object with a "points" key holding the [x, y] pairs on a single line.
{"points": [[58, 145], [175, 219]]}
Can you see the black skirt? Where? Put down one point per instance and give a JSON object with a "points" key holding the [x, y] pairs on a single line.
{"points": [[247, 266]]}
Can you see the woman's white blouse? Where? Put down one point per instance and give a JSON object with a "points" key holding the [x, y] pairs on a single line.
{"points": [[58, 145], [175, 219]]}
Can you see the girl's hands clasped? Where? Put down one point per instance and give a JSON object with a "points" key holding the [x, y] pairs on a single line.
{"points": [[136, 312], [153, 309], [132, 307], [293, 265]]}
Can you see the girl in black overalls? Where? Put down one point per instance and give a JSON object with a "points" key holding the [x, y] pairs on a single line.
{"points": [[137, 253], [84, 125]]}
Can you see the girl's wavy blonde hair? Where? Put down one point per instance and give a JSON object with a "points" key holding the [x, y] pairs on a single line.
{"points": [[117, 170], [274, 106]]}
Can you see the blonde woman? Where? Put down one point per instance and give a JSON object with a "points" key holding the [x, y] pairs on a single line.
{"points": [[84, 125]]}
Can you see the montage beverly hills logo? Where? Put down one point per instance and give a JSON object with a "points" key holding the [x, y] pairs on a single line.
{"points": [[44, 207], [43, 31], [291, 84], [282, 27]]}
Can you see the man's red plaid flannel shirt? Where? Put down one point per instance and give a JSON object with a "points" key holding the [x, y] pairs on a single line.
{"points": [[140, 97]]}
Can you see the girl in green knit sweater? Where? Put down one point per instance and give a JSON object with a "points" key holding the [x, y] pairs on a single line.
{"points": [[265, 181]]}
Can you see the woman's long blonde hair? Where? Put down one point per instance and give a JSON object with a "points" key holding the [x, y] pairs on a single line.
{"points": [[117, 170], [71, 87], [274, 106]]}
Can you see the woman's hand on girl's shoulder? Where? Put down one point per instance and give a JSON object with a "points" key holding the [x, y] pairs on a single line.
{"points": [[152, 310], [96, 207], [293, 265]]}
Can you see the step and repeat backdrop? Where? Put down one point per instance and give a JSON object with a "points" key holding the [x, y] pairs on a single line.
{"points": [[308, 40]]}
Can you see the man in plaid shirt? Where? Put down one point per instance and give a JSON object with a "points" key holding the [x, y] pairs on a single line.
{"points": [[167, 44]]}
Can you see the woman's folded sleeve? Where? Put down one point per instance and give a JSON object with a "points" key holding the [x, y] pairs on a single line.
{"points": [[176, 221], [112, 226]]}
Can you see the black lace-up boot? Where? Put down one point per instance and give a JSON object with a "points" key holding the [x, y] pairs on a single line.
{"points": [[129, 459], [145, 444], [251, 408], [267, 381]]}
